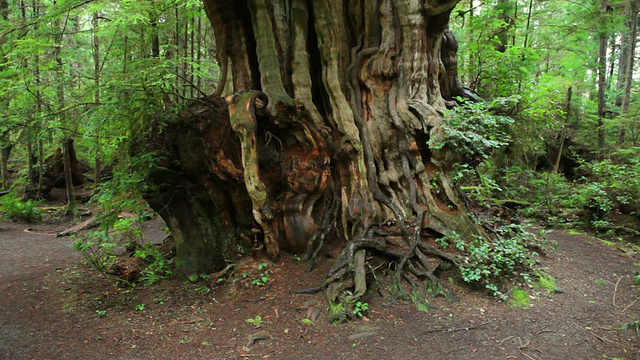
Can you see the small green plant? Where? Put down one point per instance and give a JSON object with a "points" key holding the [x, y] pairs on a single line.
{"points": [[451, 239], [159, 301], [12, 207], [420, 301], [140, 307], [633, 326], [261, 279], [546, 282], [97, 249], [360, 309], [158, 268], [257, 320], [474, 130], [509, 254], [519, 298], [101, 313], [307, 321], [202, 290]]}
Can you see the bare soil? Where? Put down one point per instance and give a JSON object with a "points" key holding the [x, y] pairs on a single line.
{"points": [[50, 305]]}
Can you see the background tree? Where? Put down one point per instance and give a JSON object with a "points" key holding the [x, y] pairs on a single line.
{"points": [[557, 68], [626, 65], [90, 70]]}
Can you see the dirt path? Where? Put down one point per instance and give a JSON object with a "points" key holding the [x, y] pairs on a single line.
{"points": [[48, 309]]}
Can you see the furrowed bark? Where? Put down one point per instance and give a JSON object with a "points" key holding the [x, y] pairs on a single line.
{"points": [[331, 105]]}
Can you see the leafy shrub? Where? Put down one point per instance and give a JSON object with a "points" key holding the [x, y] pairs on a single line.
{"points": [[15, 208], [546, 194], [553, 198], [121, 223], [102, 251], [511, 253], [620, 183], [473, 129], [592, 197], [97, 249], [157, 269]]}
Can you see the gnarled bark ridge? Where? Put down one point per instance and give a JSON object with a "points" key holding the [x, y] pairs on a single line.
{"points": [[329, 109]]}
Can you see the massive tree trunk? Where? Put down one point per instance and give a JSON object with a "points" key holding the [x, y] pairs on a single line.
{"points": [[330, 106]]}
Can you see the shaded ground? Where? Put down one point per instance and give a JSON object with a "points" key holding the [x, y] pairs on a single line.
{"points": [[49, 304]]}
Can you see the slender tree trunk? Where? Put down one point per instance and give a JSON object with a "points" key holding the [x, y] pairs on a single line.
{"points": [[38, 94], [199, 50], [176, 40], [155, 39], [630, 60], [192, 57], [624, 56], [31, 162], [96, 97], [563, 131], [67, 154], [515, 23], [527, 28], [612, 55], [526, 38], [5, 142], [471, 70], [67, 143], [602, 80], [502, 37], [40, 167], [6, 152], [185, 51]]}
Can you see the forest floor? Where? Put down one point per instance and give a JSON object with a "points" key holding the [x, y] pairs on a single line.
{"points": [[54, 307]]}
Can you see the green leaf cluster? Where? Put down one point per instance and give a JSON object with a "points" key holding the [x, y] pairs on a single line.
{"points": [[12, 207], [474, 129]]}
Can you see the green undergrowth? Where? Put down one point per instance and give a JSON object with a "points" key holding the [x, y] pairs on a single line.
{"points": [[511, 254], [520, 298], [118, 236], [15, 208], [587, 201], [545, 282]]}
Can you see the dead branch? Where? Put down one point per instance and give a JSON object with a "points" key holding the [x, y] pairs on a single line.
{"points": [[87, 224]]}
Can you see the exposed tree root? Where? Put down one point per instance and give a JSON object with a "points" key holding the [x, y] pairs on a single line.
{"points": [[346, 281]]}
